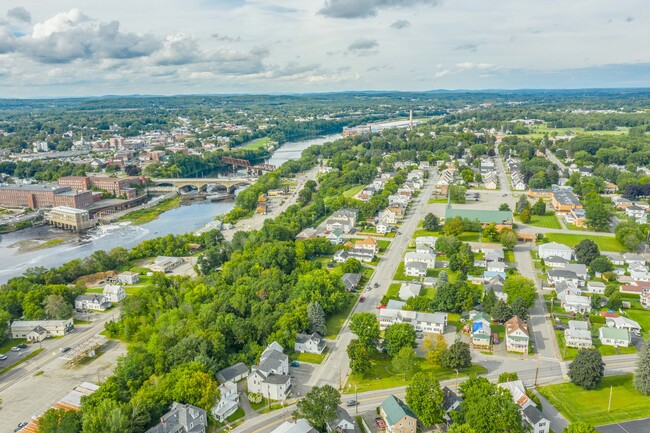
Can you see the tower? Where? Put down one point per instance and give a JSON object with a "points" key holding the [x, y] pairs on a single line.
{"points": [[411, 120]]}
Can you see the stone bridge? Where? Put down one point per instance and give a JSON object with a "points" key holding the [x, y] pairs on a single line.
{"points": [[228, 183]]}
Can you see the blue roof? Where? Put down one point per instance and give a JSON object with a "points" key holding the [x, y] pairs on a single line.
{"points": [[477, 326]]}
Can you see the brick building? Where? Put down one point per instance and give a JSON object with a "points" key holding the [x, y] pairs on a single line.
{"points": [[43, 196], [120, 186]]}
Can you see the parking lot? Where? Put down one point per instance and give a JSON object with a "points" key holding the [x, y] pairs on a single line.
{"points": [[13, 357], [299, 378]]}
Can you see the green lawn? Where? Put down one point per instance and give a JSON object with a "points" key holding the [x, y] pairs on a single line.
{"points": [[400, 275], [604, 243], [146, 215], [255, 144], [465, 236], [383, 245], [335, 322], [7, 345], [643, 317], [353, 191], [239, 413], [312, 358], [578, 404], [509, 256], [438, 200], [548, 221], [393, 291], [429, 292], [381, 376]]}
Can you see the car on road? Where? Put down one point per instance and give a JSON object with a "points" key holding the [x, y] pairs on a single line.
{"points": [[22, 346], [295, 364], [3, 357], [20, 426], [15, 349], [362, 299], [64, 349], [351, 403], [505, 195], [376, 285]]}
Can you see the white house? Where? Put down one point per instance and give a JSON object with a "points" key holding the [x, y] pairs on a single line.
{"points": [[53, 328], [596, 287], [614, 336], [623, 323], [556, 276], [309, 343], [409, 290], [427, 258], [93, 302], [422, 322], [424, 242], [481, 331], [342, 423], [128, 278], [415, 269], [616, 258], [530, 414], [578, 335], [300, 425], [114, 293], [556, 262], [577, 304], [234, 373], [517, 336], [579, 269], [271, 377], [552, 249], [228, 401], [496, 266], [634, 259]]}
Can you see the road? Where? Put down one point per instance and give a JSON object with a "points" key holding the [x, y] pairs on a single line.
{"points": [[335, 369], [554, 159], [503, 177]]}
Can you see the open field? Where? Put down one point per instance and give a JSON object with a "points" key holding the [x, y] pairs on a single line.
{"points": [[548, 221], [604, 243], [335, 322], [255, 144], [313, 358], [578, 404], [353, 191], [643, 317]]}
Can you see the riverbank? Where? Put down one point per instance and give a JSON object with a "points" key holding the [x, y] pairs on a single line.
{"points": [[29, 245], [143, 216]]}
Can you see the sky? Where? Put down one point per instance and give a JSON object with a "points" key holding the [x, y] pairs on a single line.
{"points": [[90, 48]]}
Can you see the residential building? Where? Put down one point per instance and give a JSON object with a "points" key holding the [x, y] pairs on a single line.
{"points": [[383, 227], [451, 402], [530, 414], [363, 255], [416, 269], [166, 264], [368, 244], [343, 219], [93, 302], [481, 332], [556, 262], [114, 292], [341, 256], [128, 277], [496, 284], [559, 275], [54, 328], [494, 255], [517, 336], [234, 373], [299, 425], [565, 288], [578, 335], [564, 201], [397, 416], [579, 269], [308, 233], [43, 196], [409, 290], [351, 281], [636, 213], [634, 259], [309, 343], [427, 258], [342, 423], [577, 217], [645, 298], [271, 377], [554, 249], [424, 242], [616, 258], [577, 304], [623, 323], [499, 267], [614, 336], [182, 418], [596, 287], [422, 322], [228, 401]]}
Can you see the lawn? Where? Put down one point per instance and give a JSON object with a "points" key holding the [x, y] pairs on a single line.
{"points": [[465, 236], [255, 144], [438, 200], [643, 317], [578, 404], [353, 191], [393, 291], [605, 243], [335, 322], [383, 245], [400, 275], [381, 377], [312, 358], [428, 292], [239, 413], [548, 221], [509, 256]]}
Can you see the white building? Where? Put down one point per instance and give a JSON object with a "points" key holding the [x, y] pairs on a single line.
{"points": [[427, 258], [409, 290], [555, 249], [577, 304], [422, 322], [578, 335], [128, 278], [271, 377], [114, 293], [93, 302], [415, 269]]}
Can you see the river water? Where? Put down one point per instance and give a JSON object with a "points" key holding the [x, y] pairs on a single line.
{"points": [[180, 220]]}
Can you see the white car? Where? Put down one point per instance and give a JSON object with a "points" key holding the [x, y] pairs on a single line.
{"points": [[3, 357]]}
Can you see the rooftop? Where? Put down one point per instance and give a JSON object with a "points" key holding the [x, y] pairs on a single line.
{"points": [[484, 216]]}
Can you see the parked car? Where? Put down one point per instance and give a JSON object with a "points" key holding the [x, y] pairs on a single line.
{"points": [[15, 349], [351, 403], [376, 285], [22, 346], [3, 357], [20, 426], [295, 364]]}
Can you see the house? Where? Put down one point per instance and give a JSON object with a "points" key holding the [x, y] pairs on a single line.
{"points": [[634, 259], [639, 272], [335, 237], [308, 233], [37, 334], [535, 419], [114, 293], [427, 258], [34, 328], [300, 425], [309, 343], [351, 281], [636, 213], [361, 254], [342, 219], [614, 336], [342, 423], [434, 323], [166, 264], [271, 377], [383, 227], [552, 249], [424, 242], [556, 262], [451, 402], [517, 336], [494, 255], [623, 323], [530, 414], [565, 288], [518, 393], [415, 269], [234, 373], [481, 332], [579, 269], [93, 302], [576, 304], [228, 401], [368, 244], [616, 258], [578, 335], [496, 267], [397, 416], [496, 284], [409, 290], [182, 418], [559, 275], [128, 278], [596, 287]]}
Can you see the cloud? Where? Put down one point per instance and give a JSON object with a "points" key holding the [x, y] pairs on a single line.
{"points": [[401, 24], [227, 61], [469, 66], [629, 19], [7, 41], [366, 8], [225, 38], [293, 69], [363, 47], [440, 74], [467, 47], [20, 14], [177, 49]]}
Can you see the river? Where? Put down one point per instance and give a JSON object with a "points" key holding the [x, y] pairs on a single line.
{"points": [[180, 220]]}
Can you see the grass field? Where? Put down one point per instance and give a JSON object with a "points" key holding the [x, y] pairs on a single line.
{"points": [[578, 404], [464, 237], [255, 144], [145, 215], [604, 243], [509, 256], [353, 191], [381, 376], [335, 322], [643, 317], [548, 221], [383, 245], [7, 345], [312, 358], [438, 200], [400, 275]]}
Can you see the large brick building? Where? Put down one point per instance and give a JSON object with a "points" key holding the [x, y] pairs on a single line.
{"points": [[44, 196], [120, 186]]}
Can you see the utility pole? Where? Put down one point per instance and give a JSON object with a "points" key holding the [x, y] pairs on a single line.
{"points": [[456, 380], [537, 370]]}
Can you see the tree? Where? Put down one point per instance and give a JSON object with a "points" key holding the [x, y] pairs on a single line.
{"points": [[351, 266], [318, 406], [453, 226], [316, 317], [539, 208], [504, 207], [519, 308], [461, 428], [59, 421], [458, 356], [587, 369], [501, 311], [457, 193], [108, 416], [398, 336], [598, 215], [448, 245], [508, 377], [524, 216], [406, 362], [443, 277], [586, 251], [359, 357], [366, 328], [435, 346], [490, 232], [431, 223], [517, 286], [489, 301], [642, 373], [508, 238], [463, 260], [521, 203], [580, 427], [488, 408], [425, 398], [601, 264], [56, 307]]}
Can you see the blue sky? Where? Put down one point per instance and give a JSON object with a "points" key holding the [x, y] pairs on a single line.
{"points": [[74, 48]]}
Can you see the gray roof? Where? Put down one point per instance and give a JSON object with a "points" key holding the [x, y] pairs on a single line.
{"points": [[556, 259], [351, 280], [179, 418], [561, 273], [231, 372], [533, 414], [277, 378], [304, 338], [450, 397]]}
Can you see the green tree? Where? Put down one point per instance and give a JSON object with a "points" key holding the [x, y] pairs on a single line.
{"points": [[108, 416], [351, 266], [587, 369], [518, 286], [601, 264], [435, 346], [59, 421], [490, 232], [580, 427], [507, 377], [56, 307], [316, 317], [425, 398], [598, 215], [457, 193], [406, 362], [366, 328], [519, 308], [501, 311], [504, 207], [521, 204], [489, 301], [431, 223], [489, 408], [453, 226], [359, 356], [524, 216], [539, 208], [318, 406], [461, 428], [397, 336], [586, 251], [508, 238], [642, 373], [458, 356]]}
